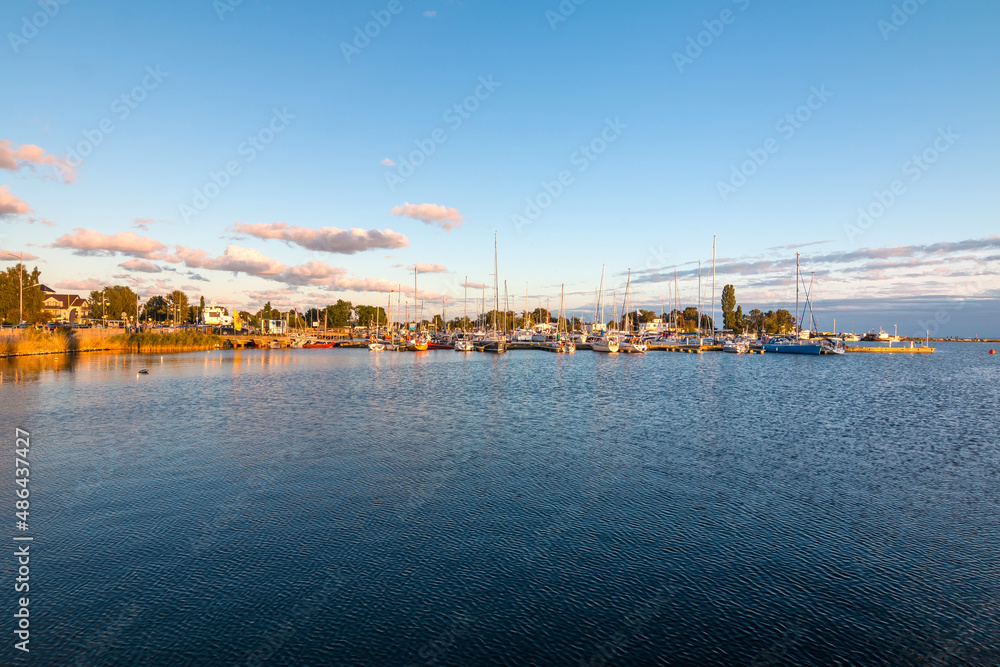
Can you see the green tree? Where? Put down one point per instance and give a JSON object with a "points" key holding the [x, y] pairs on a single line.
{"points": [[729, 320], [177, 307], [367, 315], [11, 283], [154, 310], [737, 320], [338, 315], [201, 308]]}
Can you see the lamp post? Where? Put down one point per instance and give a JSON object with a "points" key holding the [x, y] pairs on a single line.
{"points": [[20, 284]]}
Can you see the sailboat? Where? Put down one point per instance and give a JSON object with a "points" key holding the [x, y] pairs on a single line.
{"points": [[463, 344], [608, 341], [797, 344], [630, 343], [376, 345], [494, 342], [419, 341]]}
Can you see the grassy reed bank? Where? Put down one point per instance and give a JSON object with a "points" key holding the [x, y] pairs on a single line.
{"points": [[166, 342], [14, 343]]}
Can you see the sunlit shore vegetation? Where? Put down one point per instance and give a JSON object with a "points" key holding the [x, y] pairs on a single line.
{"points": [[63, 340]]}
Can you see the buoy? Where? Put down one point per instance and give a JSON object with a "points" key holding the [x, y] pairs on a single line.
{"points": [[993, 351]]}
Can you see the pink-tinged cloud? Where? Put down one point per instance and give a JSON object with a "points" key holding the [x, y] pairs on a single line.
{"points": [[142, 223], [141, 265], [88, 284], [11, 205], [388, 162], [325, 239], [5, 257], [29, 156], [312, 272], [431, 214], [235, 259], [428, 268], [92, 242]]}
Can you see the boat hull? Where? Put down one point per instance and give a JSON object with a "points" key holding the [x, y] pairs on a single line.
{"points": [[793, 349]]}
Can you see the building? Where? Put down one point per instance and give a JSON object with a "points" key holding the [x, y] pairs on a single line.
{"points": [[64, 307], [216, 316]]}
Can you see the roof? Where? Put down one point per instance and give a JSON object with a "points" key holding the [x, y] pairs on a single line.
{"points": [[64, 301]]}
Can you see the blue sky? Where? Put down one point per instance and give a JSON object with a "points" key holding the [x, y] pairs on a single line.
{"points": [[668, 121]]}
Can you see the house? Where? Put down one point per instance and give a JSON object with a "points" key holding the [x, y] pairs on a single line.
{"points": [[64, 307]]}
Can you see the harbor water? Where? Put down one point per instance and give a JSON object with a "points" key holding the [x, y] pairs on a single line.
{"points": [[307, 507]]}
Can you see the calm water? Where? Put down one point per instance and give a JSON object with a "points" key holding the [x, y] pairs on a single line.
{"points": [[308, 507]]}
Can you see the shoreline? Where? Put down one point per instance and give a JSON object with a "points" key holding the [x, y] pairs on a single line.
{"points": [[34, 343]]}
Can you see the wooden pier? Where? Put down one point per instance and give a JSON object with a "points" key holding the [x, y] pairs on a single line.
{"points": [[885, 350]]}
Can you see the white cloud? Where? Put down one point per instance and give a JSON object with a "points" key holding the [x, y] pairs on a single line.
{"points": [[431, 214], [325, 239], [11, 205]]}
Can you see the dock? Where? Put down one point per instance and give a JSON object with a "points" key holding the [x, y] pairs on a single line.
{"points": [[886, 350]]}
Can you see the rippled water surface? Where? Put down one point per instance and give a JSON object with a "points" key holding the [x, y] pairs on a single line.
{"points": [[304, 507]]}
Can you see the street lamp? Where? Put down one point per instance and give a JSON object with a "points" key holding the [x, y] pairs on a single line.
{"points": [[20, 284]]}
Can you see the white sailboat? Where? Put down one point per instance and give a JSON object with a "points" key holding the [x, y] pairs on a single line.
{"points": [[608, 341]]}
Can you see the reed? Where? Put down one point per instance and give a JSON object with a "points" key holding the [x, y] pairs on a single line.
{"points": [[34, 341], [165, 342]]}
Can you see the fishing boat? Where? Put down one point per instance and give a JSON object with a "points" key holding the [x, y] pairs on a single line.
{"points": [[417, 344], [736, 346], [316, 344], [632, 344], [609, 343]]}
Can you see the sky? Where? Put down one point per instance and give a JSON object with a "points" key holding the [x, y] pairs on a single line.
{"points": [[303, 152]]}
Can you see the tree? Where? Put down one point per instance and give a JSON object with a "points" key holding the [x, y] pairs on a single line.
{"points": [[11, 282], [156, 309], [437, 323], [367, 315], [737, 320], [201, 309], [780, 322], [729, 320], [177, 307], [339, 314]]}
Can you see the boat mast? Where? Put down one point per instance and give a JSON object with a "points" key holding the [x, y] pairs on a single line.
{"points": [[562, 296], [698, 313], [797, 327], [496, 291], [601, 299], [713, 286], [465, 305], [625, 313], [676, 302], [505, 306]]}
